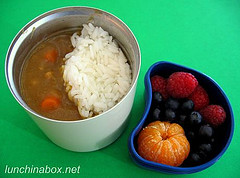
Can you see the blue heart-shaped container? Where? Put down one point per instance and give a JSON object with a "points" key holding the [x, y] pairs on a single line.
{"points": [[215, 93]]}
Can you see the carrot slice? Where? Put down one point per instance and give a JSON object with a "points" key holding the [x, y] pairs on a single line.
{"points": [[50, 103], [51, 55]]}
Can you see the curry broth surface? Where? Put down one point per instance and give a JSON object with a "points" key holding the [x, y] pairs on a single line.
{"points": [[41, 78]]}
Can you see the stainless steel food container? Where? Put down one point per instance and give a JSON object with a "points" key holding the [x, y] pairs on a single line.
{"points": [[82, 135]]}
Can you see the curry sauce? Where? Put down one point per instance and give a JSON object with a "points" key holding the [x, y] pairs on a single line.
{"points": [[42, 84]]}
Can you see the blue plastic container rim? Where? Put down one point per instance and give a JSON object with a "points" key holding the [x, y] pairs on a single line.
{"points": [[162, 167]]}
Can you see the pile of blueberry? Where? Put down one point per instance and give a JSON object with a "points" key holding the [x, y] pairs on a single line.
{"points": [[200, 134]]}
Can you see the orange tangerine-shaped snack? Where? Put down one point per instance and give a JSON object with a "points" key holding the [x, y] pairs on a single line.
{"points": [[163, 142]]}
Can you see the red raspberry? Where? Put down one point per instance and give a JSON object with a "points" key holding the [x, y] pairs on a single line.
{"points": [[199, 97], [181, 84], [213, 114], [159, 84]]}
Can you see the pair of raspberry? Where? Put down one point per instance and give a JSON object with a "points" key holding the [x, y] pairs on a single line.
{"points": [[185, 85]]}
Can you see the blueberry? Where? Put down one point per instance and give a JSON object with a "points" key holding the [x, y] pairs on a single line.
{"points": [[205, 147], [182, 119], [171, 104], [203, 155], [195, 118], [169, 115], [195, 159], [157, 98], [156, 114], [206, 131], [187, 106], [191, 136]]}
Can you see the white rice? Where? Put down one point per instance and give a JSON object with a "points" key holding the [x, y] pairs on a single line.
{"points": [[96, 73]]}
